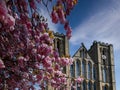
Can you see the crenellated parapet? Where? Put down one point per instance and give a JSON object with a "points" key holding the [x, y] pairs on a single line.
{"points": [[100, 44], [61, 43], [58, 34]]}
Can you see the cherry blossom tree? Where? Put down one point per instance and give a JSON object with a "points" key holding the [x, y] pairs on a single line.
{"points": [[27, 56]]}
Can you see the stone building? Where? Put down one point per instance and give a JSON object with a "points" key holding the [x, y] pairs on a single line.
{"points": [[95, 65]]}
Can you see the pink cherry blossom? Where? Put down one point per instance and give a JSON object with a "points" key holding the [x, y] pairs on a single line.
{"points": [[47, 62], [2, 64], [53, 83], [63, 80], [79, 80], [64, 61], [27, 55], [61, 15], [58, 73], [32, 4], [54, 16], [68, 29], [10, 20], [70, 61], [50, 69], [39, 77], [21, 61], [3, 9], [57, 67]]}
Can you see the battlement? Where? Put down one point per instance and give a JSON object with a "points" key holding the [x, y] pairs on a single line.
{"points": [[58, 34], [102, 43]]}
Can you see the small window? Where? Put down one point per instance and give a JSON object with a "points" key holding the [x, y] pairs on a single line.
{"points": [[89, 86], [83, 69], [84, 86], [72, 70], [94, 86], [89, 71], [104, 51], [104, 75], [58, 47], [78, 68], [105, 88], [94, 73]]}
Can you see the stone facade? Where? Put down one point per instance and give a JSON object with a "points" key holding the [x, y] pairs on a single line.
{"points": [[95, 65]]}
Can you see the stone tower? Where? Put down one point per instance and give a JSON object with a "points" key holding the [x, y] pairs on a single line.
{"points": [[102, 55], [61, 43]]}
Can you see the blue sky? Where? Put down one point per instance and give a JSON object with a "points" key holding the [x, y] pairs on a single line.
{"points": [[94, 20], [97, 20]]}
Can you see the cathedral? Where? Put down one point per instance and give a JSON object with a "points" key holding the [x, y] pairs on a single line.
{"points": [[95, 66]]}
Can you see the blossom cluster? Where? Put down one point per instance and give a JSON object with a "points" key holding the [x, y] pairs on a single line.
{"points": [[60, 11], [27, 55]]}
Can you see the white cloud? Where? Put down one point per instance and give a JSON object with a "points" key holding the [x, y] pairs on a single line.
{"points": [[103, 26]]}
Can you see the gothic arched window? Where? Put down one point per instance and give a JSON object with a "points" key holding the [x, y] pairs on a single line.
{"points": [[72, 70], [89, 86], [94, 87], [83, 86], [58, 46], [89, 70], [104, 75], [105, 87], [78, 67], [83, 68], [94, 72]]}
